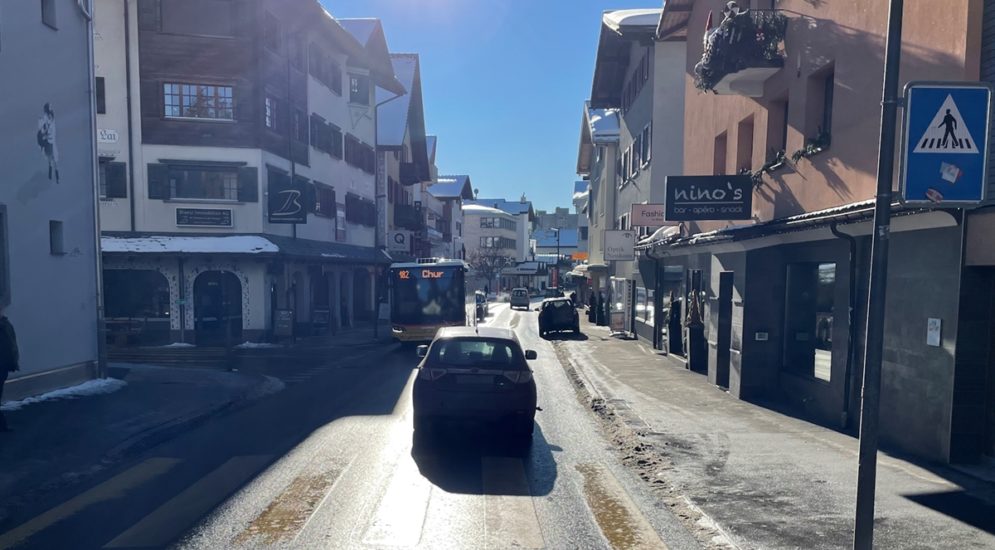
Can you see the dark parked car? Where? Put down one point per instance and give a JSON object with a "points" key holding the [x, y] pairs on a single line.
{"points": [[558, 314], [477, 374]]}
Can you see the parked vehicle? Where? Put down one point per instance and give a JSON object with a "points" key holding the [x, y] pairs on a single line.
{"points": [[478, 374], [481, 300], [553, 292], [520, 298], [556, 315]]}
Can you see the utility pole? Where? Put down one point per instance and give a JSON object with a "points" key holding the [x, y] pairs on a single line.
{"points": [[863, 532]]}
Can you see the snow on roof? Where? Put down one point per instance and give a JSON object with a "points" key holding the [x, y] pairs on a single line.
{"points": [[581, 187], [480, 210], [603, 124], [232, 244], [392, 117], [662, 234], [511, 207], [451, 187], [621, 19]]}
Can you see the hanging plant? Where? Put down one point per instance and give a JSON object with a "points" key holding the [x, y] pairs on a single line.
{"points": [[745, 39], [813, 146]]}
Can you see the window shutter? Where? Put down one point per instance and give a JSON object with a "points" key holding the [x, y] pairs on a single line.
{"points": [[152, 105], [117, 180], [148, 15], [158, 181], [248, 184]]}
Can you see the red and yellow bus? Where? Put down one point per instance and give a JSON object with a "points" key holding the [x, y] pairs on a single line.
{"points": [[426, 295]]}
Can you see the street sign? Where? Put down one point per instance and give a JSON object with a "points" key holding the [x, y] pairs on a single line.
{"points": [[399, 241], [945, 143], [620, 245], [698, 198]]}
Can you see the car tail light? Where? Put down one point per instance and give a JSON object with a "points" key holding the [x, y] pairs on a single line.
{"points": [[431, 374], [519, 376]]}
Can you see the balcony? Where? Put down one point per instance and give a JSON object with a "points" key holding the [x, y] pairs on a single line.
{"points": [[408, 217], [742, 53], [413, 173]]}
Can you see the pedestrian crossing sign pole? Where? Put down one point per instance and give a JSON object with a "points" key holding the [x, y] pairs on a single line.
{"points": [[945, 143]]}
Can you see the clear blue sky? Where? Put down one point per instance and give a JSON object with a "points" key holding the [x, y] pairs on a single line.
{"points": [[504, 83]]}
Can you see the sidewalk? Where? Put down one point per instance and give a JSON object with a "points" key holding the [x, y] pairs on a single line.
{"points": [[59, 443], [767, 480]]}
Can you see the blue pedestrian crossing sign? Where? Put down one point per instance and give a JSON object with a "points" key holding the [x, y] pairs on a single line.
{"points": [[945, 143]]}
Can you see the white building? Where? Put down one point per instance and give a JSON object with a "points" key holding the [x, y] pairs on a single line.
{"points": [[239, 186], [453, 191], [524, 217], [48, 229]]}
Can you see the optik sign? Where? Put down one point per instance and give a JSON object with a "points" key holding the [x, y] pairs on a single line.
{"points": [[697, 198]]}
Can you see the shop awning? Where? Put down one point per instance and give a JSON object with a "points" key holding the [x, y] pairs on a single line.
{"points": [[251, 245]]}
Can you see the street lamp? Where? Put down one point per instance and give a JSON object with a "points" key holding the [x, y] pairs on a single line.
{"points": [[557, 267]]}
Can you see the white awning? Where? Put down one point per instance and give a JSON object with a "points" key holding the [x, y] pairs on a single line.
{"points": [[229, 244]]}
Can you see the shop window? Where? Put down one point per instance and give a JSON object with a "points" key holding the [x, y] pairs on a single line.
{"points": [[808, 319]]}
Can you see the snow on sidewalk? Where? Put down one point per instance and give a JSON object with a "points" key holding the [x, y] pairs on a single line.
{"points": [[257, 345], [86, 389]]}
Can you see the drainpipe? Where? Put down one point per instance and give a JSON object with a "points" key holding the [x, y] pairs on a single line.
{"points": [[101, 366], [131, 142], [851, 324]]}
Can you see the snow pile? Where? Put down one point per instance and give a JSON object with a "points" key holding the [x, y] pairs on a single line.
{"points": [[268, 387], [257, 345], [233, 244], [86, 389], [620, 19], [178, 345]]}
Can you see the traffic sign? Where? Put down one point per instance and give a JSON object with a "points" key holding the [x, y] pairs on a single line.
{"points": [[945, 143]]}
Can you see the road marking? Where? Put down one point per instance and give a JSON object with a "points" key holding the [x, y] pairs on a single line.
{"points": [[401, 515], [511, 520], [287, 515], [620, 521], [169, 520], [114, 488], [176, 515]]}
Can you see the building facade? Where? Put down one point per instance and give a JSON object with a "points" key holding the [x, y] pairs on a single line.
{"points": [[773, 308], [452, 191], [247, 137], [491, 237], [523, 215], [49, 260]]}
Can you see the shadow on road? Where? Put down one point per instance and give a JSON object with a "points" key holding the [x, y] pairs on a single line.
{"points": [[566, 336], [459, 459], [961, 506]]}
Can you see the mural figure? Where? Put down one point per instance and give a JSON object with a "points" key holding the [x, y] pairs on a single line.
{"points": [[46, 141]]}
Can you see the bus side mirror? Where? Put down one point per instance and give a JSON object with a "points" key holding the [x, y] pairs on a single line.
{"points": [[531, 355], [421, 351]]}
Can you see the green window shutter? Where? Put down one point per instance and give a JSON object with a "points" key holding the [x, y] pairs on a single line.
{"points": [[117, 180], [158, 181], [248, 184]]}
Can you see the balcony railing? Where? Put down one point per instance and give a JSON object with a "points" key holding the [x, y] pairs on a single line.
{"points": [[408, 217], [742, 52]]}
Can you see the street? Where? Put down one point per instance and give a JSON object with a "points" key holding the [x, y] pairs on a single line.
{"points": [[330, 462]]}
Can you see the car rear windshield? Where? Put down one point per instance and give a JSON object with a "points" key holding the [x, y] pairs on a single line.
{"points": [[558, 304], [481, 353], [518, 293]]}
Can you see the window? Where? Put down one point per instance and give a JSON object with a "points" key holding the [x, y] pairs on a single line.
{"points": [[496, 242], [808, 319], [829, 85], [101, 98], [777, 126], [113, 179], [271, 114], [359, 89], [647, 143], [719, 152], [203, 183], [637, 154], [359, 154], [583, 233], [819, 118], [48, 13], [56, 241], [324, 201], [271, 33], [744, 144], [360, 211], [4, 266], [300, 126], [198, 101], [297, 53], [459, 229], [335, 77]]}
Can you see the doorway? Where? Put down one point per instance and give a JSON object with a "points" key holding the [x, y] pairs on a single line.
{"points": [[724, 340], [217, 306]]}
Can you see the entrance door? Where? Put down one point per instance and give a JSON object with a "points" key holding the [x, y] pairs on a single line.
{"points": [[724, 340], [217, 303]]}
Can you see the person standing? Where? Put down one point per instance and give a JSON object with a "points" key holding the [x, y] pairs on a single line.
{"points": [[9, 358]]}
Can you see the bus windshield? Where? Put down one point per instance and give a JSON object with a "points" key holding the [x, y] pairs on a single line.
{"points": [[428, 295]]}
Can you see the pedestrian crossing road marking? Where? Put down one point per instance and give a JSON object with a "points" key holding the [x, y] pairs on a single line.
{"points": [[114, 488], [947, 133]]}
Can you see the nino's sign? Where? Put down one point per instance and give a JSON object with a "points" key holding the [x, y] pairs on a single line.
{"points": [[697, 198]]}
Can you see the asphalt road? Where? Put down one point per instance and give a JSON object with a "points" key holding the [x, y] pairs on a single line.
{"points": [[330, 462]]}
